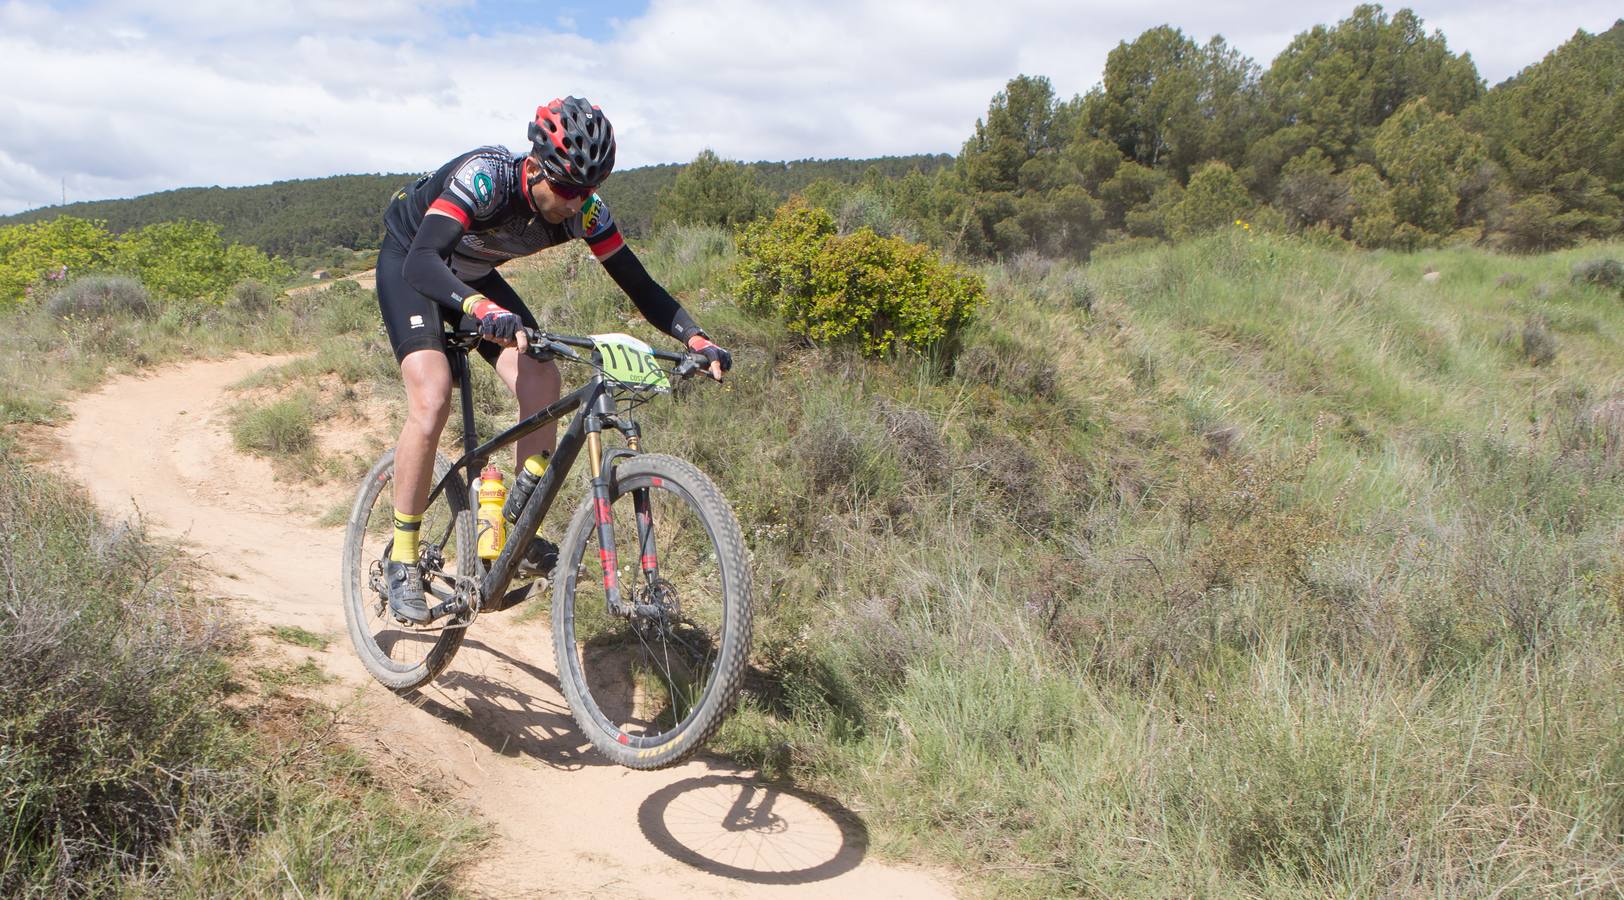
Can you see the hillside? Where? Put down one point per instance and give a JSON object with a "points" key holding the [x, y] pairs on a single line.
{"points": [[309, 216], [1261, 532], [1238, 565]]}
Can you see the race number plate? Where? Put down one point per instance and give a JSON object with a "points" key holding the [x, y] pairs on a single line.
{"points": [[630, 362]]}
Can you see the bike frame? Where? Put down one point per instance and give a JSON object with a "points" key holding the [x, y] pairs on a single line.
{"points": [[597, 404]]}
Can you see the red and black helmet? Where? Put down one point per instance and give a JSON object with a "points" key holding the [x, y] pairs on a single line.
{"points": [[573, 142]]}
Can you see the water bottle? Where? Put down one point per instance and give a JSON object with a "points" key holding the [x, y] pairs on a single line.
{"points": [[524, 485], [491, 527]]}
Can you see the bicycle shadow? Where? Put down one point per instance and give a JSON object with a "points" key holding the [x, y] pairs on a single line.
{"points": [[512, 716], [727, 823], [742, 828]]}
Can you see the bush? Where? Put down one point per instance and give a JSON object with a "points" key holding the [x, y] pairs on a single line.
{"points": [[345, 308], [1600, 272], [253, 297], [1531, 225], [189, 260], [110, 723], [866, 208], [917, 440], [1004, 362], [100, 295], [37, 250], [1215, 197], [1538, 343], [712, 191], [871, 291]]}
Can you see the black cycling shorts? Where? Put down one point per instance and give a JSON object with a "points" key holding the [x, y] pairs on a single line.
{"points": [[416, 322]]}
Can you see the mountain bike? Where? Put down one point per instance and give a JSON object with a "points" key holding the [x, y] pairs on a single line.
{"points": [[650, 651]]}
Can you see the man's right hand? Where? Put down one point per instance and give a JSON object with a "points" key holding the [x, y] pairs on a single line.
{"points": [[496, 324]]}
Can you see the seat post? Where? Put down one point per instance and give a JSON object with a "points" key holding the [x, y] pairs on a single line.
{"points": [[458, 356]]}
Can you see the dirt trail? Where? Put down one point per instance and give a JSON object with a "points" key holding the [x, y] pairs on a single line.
{"points": [[494, 729]]}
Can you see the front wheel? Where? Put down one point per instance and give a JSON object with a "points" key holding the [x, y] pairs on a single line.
{"points": [[650, 683]]}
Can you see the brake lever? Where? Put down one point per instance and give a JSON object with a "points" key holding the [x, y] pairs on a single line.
{"points": [[563, 350], [689, 365], [544, 348]]}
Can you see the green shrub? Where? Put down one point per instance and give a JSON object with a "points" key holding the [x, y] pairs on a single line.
{"points": [[868, 208], [190, 260], [998, 360], [100, 295], [280, 428], [875, 292], [1215, 198], [29, 252], [345, 308], [1531, 225]]}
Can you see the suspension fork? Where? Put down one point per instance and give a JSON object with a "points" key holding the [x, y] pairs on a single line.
{"points": [[648, 555], [605, 517]]}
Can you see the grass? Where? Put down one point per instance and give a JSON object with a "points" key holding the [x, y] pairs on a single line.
{"points": [[126, 771], [1103, 648], [308, 673], [299, 637], [1237, 567], [281, 427]]}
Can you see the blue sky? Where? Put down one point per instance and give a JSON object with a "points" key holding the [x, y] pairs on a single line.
{"points": [[594, 21], [124, 97]]}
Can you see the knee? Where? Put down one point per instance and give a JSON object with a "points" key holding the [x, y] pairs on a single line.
{"points": [[428, 403], [429, 414]]}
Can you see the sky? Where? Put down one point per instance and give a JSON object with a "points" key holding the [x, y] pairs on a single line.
{"points": [[115, 98]]}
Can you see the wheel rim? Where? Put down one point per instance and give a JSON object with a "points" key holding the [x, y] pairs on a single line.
{"points": [[647, 679]]}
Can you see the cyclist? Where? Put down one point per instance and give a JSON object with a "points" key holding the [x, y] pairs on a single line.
{"points": [[445, 236]]}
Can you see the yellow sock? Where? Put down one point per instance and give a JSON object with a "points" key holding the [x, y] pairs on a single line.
{"points": [[406, 526]]}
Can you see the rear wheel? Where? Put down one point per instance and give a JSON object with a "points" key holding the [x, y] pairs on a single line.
{"points": [[399, 655], [649, 687]]}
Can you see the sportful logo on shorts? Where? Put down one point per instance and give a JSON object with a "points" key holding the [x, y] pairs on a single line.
{"points": [[482, 187], [417, 321]]}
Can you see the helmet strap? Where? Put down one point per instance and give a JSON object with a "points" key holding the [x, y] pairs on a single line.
{"points": [[530, 173]]}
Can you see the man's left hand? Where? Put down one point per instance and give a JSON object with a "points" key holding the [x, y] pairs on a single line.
{"points": [[720, 360]]}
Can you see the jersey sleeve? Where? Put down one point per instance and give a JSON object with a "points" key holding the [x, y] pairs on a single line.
{"points": [[470, 192], [597, 227]]}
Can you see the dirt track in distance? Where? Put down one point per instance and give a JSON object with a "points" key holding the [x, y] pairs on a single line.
{"points": [[494, 729]]}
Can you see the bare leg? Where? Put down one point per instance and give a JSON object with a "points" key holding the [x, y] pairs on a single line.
{"points": [[427, 374], [536, 384]]}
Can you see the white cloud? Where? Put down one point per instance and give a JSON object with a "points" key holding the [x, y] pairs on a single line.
{"points": [[127, 96]]}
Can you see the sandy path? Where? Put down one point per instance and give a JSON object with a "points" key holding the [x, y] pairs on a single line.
{"points": [[494, 729]]}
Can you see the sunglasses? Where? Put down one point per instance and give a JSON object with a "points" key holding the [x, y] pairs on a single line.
{"points": [[570, 191]]}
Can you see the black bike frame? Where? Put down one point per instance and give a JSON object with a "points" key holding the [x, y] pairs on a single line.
{"points": [[598, 405]]}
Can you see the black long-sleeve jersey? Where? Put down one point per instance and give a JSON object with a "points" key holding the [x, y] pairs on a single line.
{"points": [[483, 192]]}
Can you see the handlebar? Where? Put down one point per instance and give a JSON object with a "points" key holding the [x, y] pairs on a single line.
{"points": [[545, 345]]}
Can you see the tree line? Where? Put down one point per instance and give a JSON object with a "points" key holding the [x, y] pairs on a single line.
{"points": [[1370, 131], [305, 218]]}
